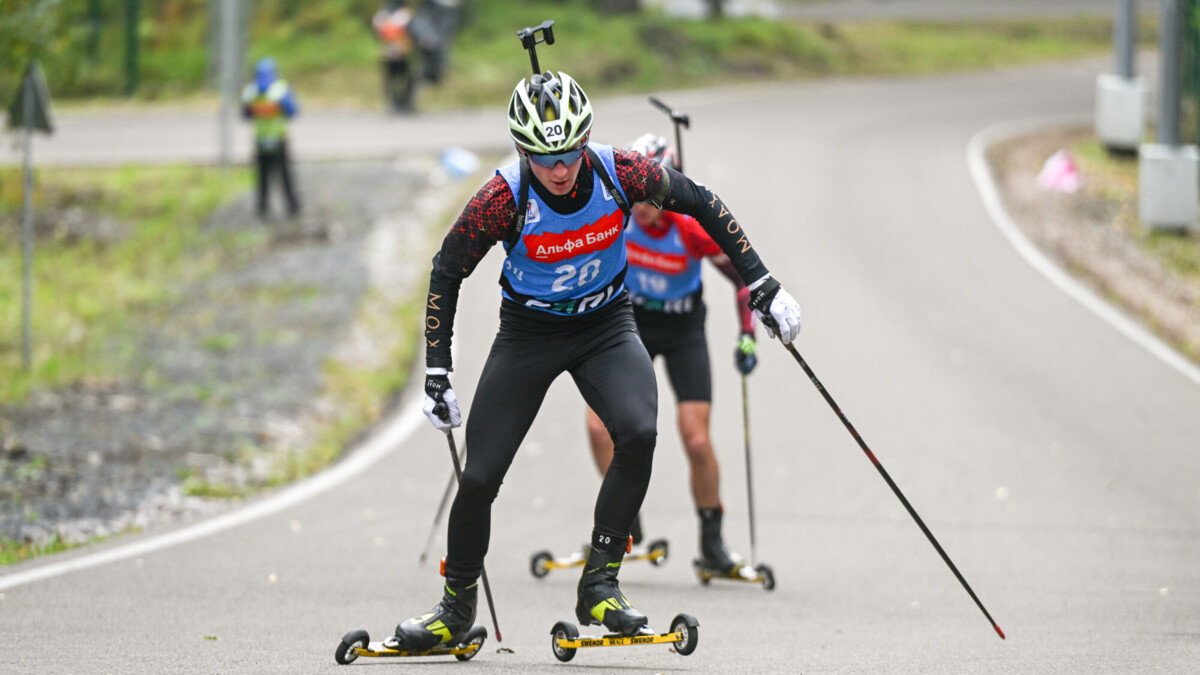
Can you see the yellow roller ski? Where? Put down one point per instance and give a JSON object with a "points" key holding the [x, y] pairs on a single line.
{"points": [[758, 574], [684, 635], [358, 643], [542, 562]]}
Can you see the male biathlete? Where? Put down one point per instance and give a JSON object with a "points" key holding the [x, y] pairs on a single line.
{"points": [[665, 249], [558, 212]]}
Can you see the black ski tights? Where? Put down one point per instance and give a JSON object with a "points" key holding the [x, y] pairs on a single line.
{"points": [[605, 357]]}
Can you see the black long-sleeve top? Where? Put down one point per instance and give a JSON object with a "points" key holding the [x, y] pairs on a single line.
{"points": [[490, 217]]}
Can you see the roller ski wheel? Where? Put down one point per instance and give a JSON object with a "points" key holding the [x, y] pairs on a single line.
{"points": [[688, 630], [539, 563], [543, 562], [684, 636], [759, 574], [358, 643], [562, 634], [768, 576], [350, 646]]}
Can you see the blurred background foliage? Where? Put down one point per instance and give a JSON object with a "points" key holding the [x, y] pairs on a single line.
{"points": [[328, 52]]}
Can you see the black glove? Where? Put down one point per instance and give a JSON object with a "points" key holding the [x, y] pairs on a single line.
{"points": [[745, 355]]}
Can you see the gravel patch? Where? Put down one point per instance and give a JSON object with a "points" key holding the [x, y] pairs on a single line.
{"points": [[229, 377]]}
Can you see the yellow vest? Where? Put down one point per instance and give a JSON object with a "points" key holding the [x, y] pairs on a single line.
{"points": [[266, 108]]}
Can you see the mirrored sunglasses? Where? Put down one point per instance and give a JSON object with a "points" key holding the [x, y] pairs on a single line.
{"points": [[567, 157]]}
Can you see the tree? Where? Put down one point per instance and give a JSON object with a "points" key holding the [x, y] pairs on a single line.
{"points": [[52, 31], [25, 27]]}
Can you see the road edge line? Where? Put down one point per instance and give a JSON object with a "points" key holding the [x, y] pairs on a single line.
{"points": [[984, 180]]}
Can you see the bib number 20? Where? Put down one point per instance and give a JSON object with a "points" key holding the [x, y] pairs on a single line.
{"points": [[570, 276]]}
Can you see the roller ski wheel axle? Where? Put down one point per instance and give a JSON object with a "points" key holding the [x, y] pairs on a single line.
{"points": [[358, 643], [684, 636], [542, 562], [758, 574]]}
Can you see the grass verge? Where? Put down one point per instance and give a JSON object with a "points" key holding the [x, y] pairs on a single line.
{"points": [[12, 552], [111, 248]]}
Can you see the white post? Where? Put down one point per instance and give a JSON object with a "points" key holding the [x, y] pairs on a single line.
{"points": [[27, 229], [1120, 96], [228, 30], [1169, 173]]}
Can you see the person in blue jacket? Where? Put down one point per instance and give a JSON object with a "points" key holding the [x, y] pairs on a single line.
{"points": [[269, 102]]}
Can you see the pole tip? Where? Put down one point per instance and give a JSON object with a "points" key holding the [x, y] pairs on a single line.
{"points": [[999, 632]]}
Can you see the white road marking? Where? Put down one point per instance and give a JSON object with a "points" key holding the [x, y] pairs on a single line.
{"points": [[393, 433], [982, 175]]}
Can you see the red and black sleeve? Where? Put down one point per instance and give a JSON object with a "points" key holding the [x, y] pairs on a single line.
{"points": [[487, 219]]}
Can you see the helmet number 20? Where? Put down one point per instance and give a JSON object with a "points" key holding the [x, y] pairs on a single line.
{"points": [[554, 132], [567, 275]]}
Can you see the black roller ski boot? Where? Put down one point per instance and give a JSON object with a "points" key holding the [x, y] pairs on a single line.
{"points": [[446, 624], [713, 554], [600, 598]]}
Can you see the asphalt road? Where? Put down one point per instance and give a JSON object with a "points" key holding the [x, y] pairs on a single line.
{"points": [[191, 134], [1054, 458]]}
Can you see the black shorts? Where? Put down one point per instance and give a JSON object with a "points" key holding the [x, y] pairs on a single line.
{"points": [[680, 339]]}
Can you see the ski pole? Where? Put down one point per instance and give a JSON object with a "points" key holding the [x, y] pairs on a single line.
{"points": [[679, 119], [900, 495], [437, 518], [749, 472], [443, 412], [487, 589]]}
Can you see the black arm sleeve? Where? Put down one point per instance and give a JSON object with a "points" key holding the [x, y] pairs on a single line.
{"points": [[487, 219], [440, 307]]}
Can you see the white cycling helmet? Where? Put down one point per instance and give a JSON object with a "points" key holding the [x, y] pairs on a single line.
{"points": [[549, 113], [654, 148]]}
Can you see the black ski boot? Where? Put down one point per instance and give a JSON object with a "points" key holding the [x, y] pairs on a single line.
{"points": [[713, 554], [446, 624], [601, 600]]}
